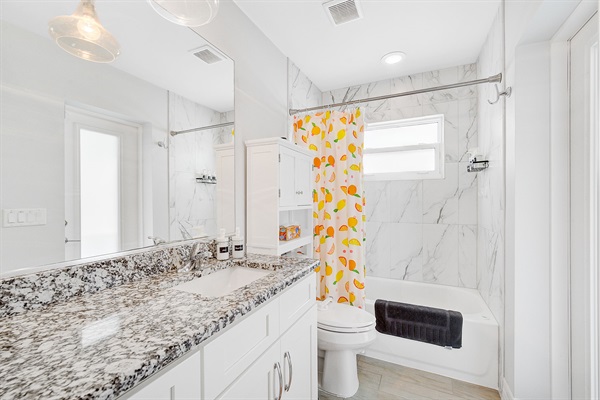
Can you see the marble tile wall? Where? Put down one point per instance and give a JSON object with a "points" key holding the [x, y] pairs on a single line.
{"points": [[424, 230], [491, 194], [192, 207], [302, 93]]}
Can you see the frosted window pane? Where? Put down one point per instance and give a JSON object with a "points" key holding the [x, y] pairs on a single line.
{"points": [[99, 163], [399, 161], [401, 136]]}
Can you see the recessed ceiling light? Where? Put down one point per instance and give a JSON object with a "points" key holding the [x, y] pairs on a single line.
{"points": [[393, 58]]}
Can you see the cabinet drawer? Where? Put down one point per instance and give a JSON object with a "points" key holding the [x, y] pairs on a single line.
{"points": [[297, 300], [231, 353], [179, 382]]}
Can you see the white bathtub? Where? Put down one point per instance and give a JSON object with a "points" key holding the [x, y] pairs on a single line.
{"points": [[475, 362]]}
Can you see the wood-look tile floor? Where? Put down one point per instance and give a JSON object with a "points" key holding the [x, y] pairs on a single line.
{"points": [[380, 380]]}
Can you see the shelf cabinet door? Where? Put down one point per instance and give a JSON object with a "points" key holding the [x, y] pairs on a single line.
{"points": [[300, 364], [294, 178], [287, 166], [302, 180]]}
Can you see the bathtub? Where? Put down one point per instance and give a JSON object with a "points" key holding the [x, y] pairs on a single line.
{"points": [[476, 362]]}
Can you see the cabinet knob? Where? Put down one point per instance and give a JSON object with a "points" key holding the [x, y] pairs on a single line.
{"points": [[299, 192]]}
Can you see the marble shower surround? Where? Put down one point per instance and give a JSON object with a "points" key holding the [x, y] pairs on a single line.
{"points": [[424, 230], [491, 193], [193, 204], [302, 93]]}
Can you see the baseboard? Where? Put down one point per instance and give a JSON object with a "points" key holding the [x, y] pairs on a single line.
{"points": [[505, 392]]}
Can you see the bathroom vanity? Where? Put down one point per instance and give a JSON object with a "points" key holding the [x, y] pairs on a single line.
{"points": [[153, 337]]}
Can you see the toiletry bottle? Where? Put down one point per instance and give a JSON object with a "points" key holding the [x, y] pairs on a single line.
{"points": [[222, 246], [238, 244]]}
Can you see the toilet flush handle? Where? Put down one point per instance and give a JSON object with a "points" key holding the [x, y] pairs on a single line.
{"points": [[323, 304]]}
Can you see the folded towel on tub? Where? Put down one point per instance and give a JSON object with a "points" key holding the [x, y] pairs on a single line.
{"points": [[425, 324]]}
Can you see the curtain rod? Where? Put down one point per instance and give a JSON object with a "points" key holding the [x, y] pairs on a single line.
{"points": [[203, 128], [491, 79]]}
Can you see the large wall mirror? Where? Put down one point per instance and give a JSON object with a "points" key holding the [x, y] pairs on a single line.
{"points": [[100, 158]]}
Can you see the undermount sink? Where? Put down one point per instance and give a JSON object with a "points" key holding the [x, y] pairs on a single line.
{"points": [[222, 282]]}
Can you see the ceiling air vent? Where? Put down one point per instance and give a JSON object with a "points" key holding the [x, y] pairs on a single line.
{"points": [[208, 54], [342, 11]]}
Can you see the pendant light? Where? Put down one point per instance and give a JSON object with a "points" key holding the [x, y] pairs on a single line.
{"points": [[190, 13], [82, 35]]}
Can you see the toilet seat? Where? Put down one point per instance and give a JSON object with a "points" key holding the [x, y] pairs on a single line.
{"points": [[343, 318]]}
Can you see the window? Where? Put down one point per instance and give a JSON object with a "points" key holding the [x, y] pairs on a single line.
{"points": [[405, 149]]}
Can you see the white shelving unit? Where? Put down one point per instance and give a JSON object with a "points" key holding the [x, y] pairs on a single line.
{"points": [[279, 192]]}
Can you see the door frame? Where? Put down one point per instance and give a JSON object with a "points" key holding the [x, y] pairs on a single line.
{"points": [[560, 170], [77, 118]]}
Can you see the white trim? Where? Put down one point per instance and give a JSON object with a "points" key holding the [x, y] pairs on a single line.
{"points": [[505, 392], [560, 318]]}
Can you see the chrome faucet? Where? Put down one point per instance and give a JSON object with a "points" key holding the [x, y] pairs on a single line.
{"points": [[157, 240], [193, 259]]}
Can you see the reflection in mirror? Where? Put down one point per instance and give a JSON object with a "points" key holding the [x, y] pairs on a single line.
{"points": [[88, 166]]}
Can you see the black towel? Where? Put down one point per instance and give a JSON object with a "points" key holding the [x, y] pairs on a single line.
{"points": [[425, 324]]}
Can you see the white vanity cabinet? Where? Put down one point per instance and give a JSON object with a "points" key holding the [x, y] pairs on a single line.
{"points": [[288, 368], [279, 192], [270, 355]]}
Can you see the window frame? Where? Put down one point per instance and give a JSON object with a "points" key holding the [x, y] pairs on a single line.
{"points": [[439, 149]]}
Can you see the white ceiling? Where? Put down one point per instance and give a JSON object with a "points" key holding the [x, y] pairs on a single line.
{"points": [[152, 48], [434, 34]]}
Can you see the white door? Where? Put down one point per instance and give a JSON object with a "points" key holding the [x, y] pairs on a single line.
{"points": [[299, 360], [103, 210], [585, 213]]}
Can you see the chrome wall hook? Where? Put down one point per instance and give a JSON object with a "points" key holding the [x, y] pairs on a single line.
{"points": [[507, 92]]}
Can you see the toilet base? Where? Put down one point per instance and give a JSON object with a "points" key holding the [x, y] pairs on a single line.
{"points": [[340, 375]]}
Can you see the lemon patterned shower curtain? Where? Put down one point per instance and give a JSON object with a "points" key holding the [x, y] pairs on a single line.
{"points": [[336, 138]]}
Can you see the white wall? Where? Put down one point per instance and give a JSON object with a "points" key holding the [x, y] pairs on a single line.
{"points": [[260, 86], [38, 79], [536, 346]]}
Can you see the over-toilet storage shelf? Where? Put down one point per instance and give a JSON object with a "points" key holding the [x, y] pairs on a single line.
{"points": [[278, 193]]}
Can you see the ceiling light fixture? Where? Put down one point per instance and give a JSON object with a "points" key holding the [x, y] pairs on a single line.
{"points": [[190, 13], [82, 35], [393, 58]]}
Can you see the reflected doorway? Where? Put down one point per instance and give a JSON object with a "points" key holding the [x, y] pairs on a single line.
{"points": [[102, 184]]}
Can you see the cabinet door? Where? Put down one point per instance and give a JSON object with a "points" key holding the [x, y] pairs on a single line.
{"points": [[181, 382], [259, 382], [287, 196], [302, 180], [299, 358]]}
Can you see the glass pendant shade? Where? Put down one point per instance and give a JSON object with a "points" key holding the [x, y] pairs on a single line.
{"points": [[82, 35], [190, 13]]}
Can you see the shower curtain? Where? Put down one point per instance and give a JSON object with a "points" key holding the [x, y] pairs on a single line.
{"points": [[336, 140]]}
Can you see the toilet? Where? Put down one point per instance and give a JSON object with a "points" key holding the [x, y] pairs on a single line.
{"points": [[342, 332]]}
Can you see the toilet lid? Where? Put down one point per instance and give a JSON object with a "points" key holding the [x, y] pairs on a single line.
{"points": [[344, 318]]}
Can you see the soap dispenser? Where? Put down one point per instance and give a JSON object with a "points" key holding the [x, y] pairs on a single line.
{"points": [[238, 244], [222, 246]]}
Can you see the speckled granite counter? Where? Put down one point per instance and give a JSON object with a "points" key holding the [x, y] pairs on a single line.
{"points": [[99, 345]]}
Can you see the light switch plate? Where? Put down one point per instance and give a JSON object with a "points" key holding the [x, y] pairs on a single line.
{"points": [[15, 217]]}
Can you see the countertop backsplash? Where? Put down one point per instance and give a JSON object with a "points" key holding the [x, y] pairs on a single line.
{"points": [[28, 292]]}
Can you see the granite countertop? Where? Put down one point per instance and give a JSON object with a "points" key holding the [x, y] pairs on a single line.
{"points": [[99, 345]]}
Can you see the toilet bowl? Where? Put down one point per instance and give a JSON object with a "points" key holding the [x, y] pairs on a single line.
{"points": [[342, 332]]}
